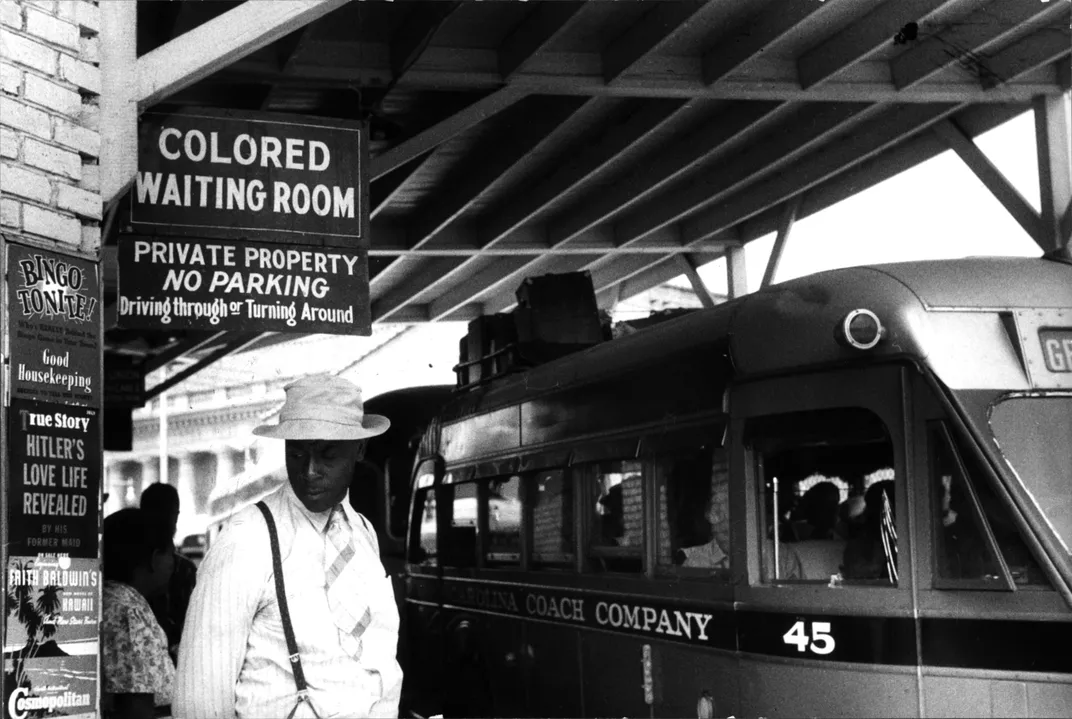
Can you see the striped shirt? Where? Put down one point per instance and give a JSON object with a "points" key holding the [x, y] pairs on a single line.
{"points": [[233, 657]]}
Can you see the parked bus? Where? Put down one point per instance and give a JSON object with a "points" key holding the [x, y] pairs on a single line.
{"points": [[848, 494]]}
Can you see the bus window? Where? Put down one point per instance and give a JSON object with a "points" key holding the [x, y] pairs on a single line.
{"points": [[503, 498], [615, 506], [821, 534], [458, 547], [423, 543], [550, 498], [693, 493], [974, 531]]}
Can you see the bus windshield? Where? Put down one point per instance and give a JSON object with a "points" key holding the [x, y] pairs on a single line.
{"points": [[1035, 434]]}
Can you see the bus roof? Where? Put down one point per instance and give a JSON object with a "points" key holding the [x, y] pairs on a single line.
{"points": [[792, 324], [987, 282]]}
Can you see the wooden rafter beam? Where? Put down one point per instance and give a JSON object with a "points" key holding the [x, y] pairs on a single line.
{"points": [[756, 35], [387, 187], [647, 35], [290, 49], [444, 130], [1052, 142], [813, 126], [1045, 45], [789, 216], [546, 22], [873, 171], [495, 156], [963, 41], [219, 42], [988, 173], [867, 139], [581, 168], [416, 32], [568, 73], [419, 275], [688, 266], [859, 39], [663, 167], [491, 274]]}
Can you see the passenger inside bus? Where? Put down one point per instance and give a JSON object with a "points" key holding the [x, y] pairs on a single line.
{"points": [[819, 547], [873, 553], [693, 511]]}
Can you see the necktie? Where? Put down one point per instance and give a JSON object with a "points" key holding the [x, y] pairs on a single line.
{"points": [[349, 609]]}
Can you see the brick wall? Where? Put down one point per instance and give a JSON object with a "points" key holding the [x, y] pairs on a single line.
{"points": [[50, 82]]}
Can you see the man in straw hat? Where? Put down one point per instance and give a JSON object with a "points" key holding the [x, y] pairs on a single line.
{"points": [[234, 660]]}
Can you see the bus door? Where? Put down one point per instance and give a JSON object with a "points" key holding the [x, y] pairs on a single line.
{"points": [[824, 613], [994, 633]]}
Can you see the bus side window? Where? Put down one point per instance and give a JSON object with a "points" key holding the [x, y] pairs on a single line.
{"points": [[423, 544], [503, 498], [550, 500], [973, 529], [615, 506], [458, 547], [827, 476], [693, 492]]}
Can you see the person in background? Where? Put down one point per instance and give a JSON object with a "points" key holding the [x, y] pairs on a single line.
{"points": [[136, 672], [160, 502], [234, 659]]}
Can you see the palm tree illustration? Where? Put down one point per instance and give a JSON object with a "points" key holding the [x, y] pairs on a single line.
{"points": [[37, 617]]}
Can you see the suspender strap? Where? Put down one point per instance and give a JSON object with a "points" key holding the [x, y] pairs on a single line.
{"points": [[281, 596]]}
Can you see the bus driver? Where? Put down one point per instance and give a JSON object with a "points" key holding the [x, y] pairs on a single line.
{"points": [[339, 612]]}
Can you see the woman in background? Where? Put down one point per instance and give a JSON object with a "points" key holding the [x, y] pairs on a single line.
{"points": [[136, 670]]}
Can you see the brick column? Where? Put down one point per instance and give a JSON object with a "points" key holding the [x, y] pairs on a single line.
{"points": [[50, 82]]}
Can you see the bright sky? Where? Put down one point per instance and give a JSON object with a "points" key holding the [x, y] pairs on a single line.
{"points": [[936, 210]]}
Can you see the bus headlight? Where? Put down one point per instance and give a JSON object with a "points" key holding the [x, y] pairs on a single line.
{"points": [[861, 329]]}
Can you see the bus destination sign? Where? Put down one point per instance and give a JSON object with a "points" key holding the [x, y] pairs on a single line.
{"points": [[245, 286], [281, 178], [1057, 349]]}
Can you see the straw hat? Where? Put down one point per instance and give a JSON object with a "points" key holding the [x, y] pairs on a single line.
{"points": [[324, 407]]}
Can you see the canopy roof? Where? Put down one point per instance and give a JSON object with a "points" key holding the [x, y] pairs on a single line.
{"points": [[631, 139]]}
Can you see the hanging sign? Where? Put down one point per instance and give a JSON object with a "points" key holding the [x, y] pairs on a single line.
{"points": [[278, 177], [52, 638], [54, 470], [247, 286], [54, 310]]}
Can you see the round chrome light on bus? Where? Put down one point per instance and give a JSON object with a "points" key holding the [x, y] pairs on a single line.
{"points": [[862, 329]]}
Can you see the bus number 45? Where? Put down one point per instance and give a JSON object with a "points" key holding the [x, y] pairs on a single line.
{"points": [[820, 641]]}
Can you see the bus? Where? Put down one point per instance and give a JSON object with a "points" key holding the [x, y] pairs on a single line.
{"points": [[848, 494]]}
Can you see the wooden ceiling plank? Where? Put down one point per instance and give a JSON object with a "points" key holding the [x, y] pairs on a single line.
{"points": [[219, 42], [868, 139], [862, 37], [962, 42], [540, 28], [736, 48], [415, 281], [388, 187], [494, 156], [290, 47], [805, 131], [416, 32], [1048, 44], [654, 173], [991, 177], [646, 36], [463, 292], [444, 130], [578, 169]]}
